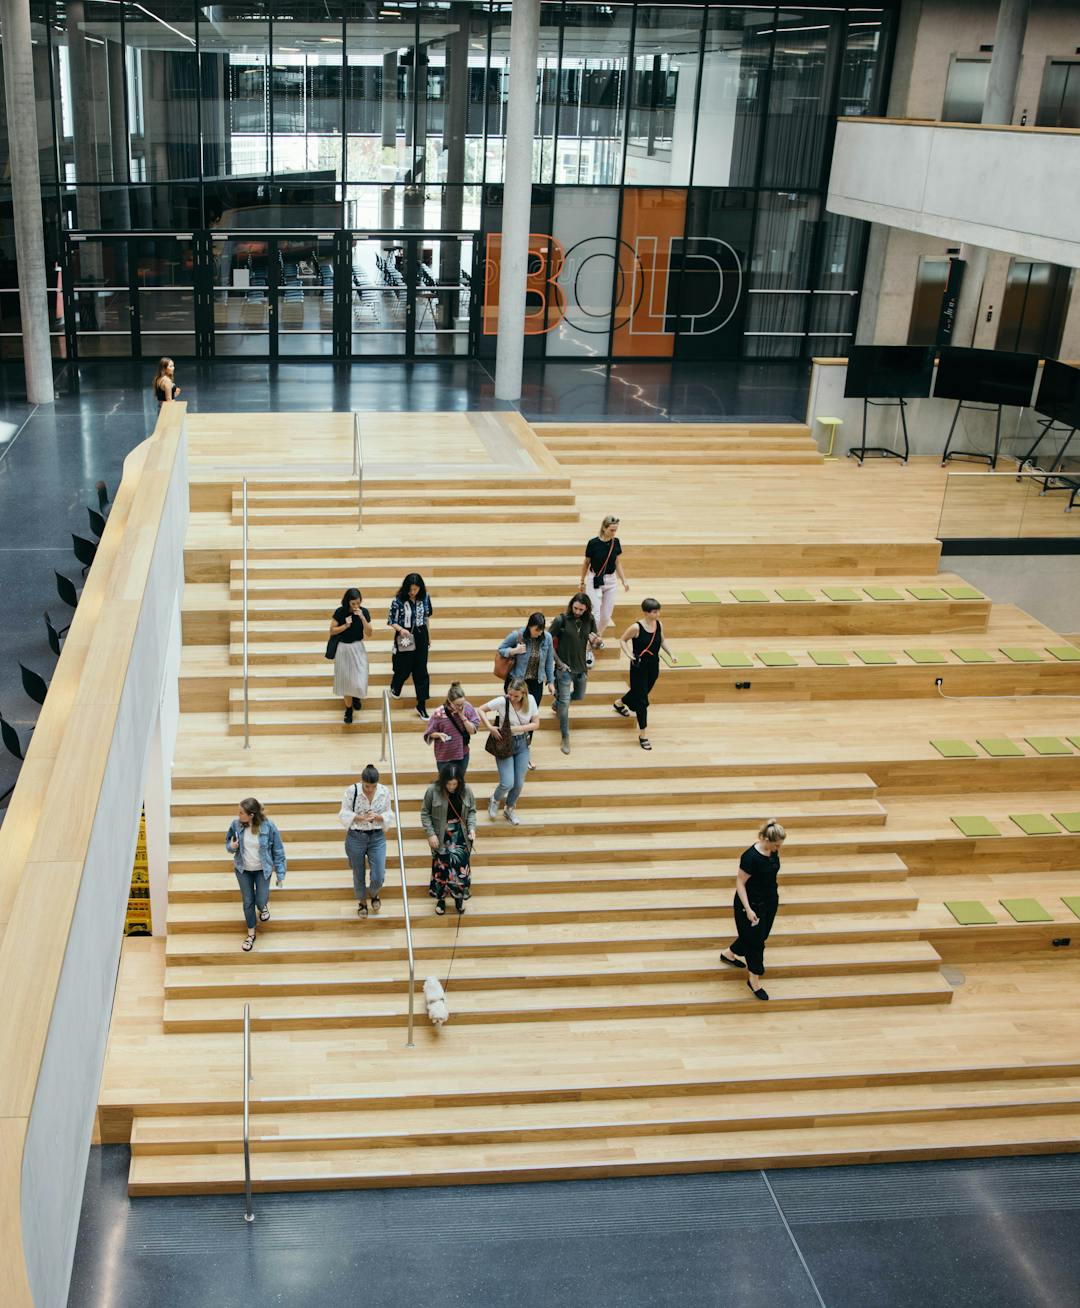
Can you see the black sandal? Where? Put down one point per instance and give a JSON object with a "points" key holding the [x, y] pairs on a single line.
{"points": [[248, 942], [264, 915], [621, 709], [643, 741]]}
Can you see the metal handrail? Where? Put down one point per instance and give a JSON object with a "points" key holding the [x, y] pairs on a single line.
{"points": [[358, 470], [249, 1214], [247, 741], [388, 738]]}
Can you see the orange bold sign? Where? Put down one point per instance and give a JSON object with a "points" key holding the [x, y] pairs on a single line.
{"points": [[545, 299]]}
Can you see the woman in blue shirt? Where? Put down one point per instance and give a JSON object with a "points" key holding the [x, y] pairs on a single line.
{"points": [[255, 844], [410, 613]]}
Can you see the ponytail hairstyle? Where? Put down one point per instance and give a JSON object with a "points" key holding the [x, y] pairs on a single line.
{"points": [[455, 691], [255, 811], [610, 521], [772, 831]]}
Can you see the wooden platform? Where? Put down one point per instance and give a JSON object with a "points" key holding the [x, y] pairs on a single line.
{"points": [[593, 1030]]}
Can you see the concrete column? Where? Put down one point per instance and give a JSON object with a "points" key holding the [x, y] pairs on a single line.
{"points": [[517, 198], [389, 167], [455, 126], [998, 110], [26, 199], [118, 137]]}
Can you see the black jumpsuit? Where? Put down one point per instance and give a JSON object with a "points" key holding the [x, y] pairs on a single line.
{"points": [[762, 871], [644, 669]]}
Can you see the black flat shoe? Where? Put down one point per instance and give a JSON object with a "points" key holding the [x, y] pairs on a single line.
{"points": [[731, 962], [759, 993], [357, 703], [348, 717]]}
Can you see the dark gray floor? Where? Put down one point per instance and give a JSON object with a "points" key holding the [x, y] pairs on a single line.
{"points": [[923, 1235], [51, 457]]}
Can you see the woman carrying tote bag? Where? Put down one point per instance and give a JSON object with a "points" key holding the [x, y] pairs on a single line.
{"points": [[510, 720], [348, 627]]}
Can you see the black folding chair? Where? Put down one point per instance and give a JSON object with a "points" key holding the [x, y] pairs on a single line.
{"points": [[85, 551], [65, 588], [97, 522], [102, 495], [14, 747], [52, 633], [36, 687]]}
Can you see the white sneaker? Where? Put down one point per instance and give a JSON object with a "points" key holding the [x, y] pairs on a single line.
{"points": [[512, 817], [493, 808]]}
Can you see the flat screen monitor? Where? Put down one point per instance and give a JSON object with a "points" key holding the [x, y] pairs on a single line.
{"points": [[1059, 393], [889, 371], [985, 376]]}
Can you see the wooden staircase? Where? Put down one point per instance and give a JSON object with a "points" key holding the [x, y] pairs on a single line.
{"points": [[681, 444], [593, 1030]]}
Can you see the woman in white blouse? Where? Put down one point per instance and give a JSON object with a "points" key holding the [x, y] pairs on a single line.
{"points": [[510, 719]]}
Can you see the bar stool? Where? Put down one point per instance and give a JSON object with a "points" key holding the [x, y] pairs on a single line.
{"points": [[830, 425]]}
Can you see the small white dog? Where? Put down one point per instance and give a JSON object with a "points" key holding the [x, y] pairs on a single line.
{"points": [[437, 1009]]}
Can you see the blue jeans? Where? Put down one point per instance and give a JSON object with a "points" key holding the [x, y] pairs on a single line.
{"points": [[569, 686], [512, 772], [369, 846], [255, 889]]}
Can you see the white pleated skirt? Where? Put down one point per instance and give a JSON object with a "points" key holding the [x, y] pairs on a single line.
{"points": [[351, 670]]}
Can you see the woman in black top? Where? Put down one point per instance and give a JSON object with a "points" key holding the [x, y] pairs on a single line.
{"points": [[603, 568], [350, 624], [642, 642], [410, 614], [165, 388], [756, 902]]}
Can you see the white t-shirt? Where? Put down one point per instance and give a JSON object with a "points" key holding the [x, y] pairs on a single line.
{"points": [[518, 717], [249, 846]]}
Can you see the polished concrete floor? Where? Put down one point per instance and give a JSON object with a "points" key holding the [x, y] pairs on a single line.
{"points": [[51, 456], [967, 1234]]}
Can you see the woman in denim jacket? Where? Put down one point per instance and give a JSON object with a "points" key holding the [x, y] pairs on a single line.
{"points": [[534, 656], [255, 844]]}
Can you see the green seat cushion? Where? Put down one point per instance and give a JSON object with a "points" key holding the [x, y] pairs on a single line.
{"points": [[775, 658], [878, 657], [926, 656], [1072, 903], [975, 826], [999, 747], [1066, 653], [1035, 824], [847, 594], [1048, 745], [963, 592], [883, 592], [974, 655], [731, 658], [685, 660], [969, 912], [927, 592], [1021, 654], [1074, 740], [1025, 910], [702, 596], [954, 749], [746, 595], [795, 594], [828, 658], [1070, 821]]}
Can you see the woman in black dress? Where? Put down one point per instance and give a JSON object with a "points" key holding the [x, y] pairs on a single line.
{"points": [[756, 902], [642, 642], [164, 385]]}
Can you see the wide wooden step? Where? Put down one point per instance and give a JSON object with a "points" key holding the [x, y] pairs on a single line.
{"points": [[377, 495], [643, 1115], [969, 1136], [450, 511], [601, 1001], [244, 979], [704, 905], [612, 791]]}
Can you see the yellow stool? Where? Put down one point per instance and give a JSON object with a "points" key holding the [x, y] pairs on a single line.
{"points": [[831, 424]]}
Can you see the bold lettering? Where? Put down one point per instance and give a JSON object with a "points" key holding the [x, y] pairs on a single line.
{"points": [[544, 297]]}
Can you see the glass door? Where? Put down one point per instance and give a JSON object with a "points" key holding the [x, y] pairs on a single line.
{"points": [[303, 296], [411, 295], [242, 268], [164, 303], [100, 312]]}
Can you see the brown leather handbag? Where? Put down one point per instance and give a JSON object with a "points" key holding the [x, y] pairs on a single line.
{"points": [[500, 744]]}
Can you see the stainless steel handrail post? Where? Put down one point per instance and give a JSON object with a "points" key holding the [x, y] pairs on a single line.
{"points": [[358, 472], [388, 738], [247, 740], [249, 1214]]}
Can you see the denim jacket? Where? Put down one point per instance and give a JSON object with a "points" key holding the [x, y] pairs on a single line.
{"points": [[546, 669], [271, 850]]}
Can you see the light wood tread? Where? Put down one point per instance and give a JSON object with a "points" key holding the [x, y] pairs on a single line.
{"points": [[615, 1155]]}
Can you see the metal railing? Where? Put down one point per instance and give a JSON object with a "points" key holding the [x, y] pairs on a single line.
{"points": [[249, 1214], [247, 741], [358, 470], [388, 739]]}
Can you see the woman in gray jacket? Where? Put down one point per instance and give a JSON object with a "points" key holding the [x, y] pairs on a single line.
{"points": [[448, 816], [255, 844]]}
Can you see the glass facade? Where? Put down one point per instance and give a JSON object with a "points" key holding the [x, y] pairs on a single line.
{"points": [[326, 179]]}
